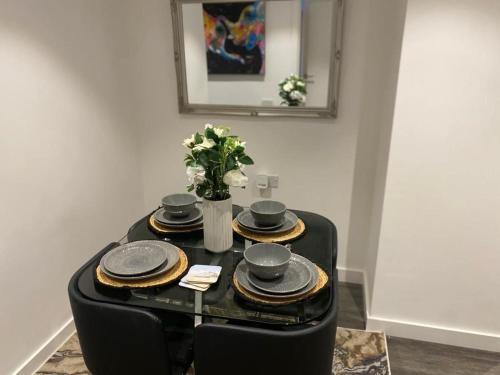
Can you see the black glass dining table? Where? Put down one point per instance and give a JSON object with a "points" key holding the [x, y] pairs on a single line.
{"points": [[318, 243]]}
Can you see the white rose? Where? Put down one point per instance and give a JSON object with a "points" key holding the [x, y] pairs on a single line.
{"points": [[235, 178], [188, 142], [208, 126], [300, 83], [297, 95], [288, 87], [196, 175], [239, 143], [220, 132], [207, 143]]}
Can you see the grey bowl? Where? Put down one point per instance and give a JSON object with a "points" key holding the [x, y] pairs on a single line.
{"points": [[179, 205], [268, 213], [267, 260]]}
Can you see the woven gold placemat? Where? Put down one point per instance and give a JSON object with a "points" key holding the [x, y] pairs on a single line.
{"points": [[322, 280], [171, 275], [160, 228], [293, 233]]}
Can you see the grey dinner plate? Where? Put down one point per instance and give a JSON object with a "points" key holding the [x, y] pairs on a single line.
{"points": [[128, 261], [289, 223], [160, 271], [295, 278], [242, 272], [163, 217], [135, 258], [246, 219], [195, 224]]}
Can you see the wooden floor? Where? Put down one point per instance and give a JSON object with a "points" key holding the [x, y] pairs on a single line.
{"points": [[411, 357]]}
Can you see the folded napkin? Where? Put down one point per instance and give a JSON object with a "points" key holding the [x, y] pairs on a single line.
{"points": [[200, 277]]}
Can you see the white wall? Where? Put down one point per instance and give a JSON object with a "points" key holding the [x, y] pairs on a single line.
{"points": [[437, 272], [68, 159], [380, 74], [282, 52]]}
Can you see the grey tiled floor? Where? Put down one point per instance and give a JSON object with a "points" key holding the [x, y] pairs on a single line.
{"points": [[411, 357], [351, 306]]}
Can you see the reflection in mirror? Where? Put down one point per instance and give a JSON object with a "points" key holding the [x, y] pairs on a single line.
{"points": [[275, 56]]}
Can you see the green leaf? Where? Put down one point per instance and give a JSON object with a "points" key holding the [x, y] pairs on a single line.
{"points": [[200, 191], [210, 134], [239, 150], [190, 188], [245, 159], [198, 138], [213, 155], [231, 163], [189, 160], [203, 159]]}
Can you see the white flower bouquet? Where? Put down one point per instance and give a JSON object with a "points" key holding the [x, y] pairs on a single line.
{"points": [[293, 90], [215, 162]]}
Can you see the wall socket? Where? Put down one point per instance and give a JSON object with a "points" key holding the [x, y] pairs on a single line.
{"points": [[264, 181], [274, 181]]}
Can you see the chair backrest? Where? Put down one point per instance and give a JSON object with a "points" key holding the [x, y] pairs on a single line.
{"points": [[227, 349], [118, 340], [334, 244]]}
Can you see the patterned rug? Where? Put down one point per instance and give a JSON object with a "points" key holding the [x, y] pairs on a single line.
{"points": [[356, 352]]}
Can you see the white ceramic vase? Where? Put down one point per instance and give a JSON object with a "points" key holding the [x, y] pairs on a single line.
{"points": [[217, 229]]}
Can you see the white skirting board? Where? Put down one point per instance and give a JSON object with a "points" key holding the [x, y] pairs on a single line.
{"points": [[440, 335], [351, 275], [40, 356], [419, 331]]}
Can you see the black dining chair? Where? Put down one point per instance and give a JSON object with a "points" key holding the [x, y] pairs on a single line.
{"points": [[121, 340], [227, 349]]}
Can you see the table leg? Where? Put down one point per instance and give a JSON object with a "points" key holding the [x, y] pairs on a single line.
{"points": [[198, 298]]}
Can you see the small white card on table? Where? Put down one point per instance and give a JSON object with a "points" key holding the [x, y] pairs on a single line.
{"points": [[200, 277]]}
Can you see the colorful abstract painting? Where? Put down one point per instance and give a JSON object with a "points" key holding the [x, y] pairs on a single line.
{"points": [[234, 36]]}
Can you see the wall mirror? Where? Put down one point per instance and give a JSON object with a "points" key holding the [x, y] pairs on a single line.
{"points": [[261, 58]]}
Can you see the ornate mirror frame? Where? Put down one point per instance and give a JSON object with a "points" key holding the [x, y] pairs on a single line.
{"points": [[217, 109]]}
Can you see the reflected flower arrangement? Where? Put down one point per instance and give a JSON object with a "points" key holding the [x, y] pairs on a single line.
{"points": [[293, 90]]}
